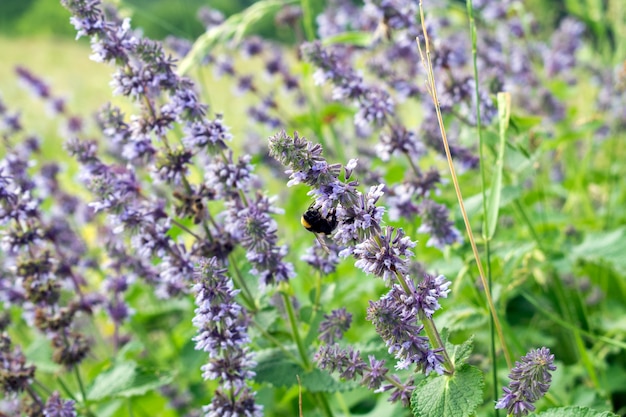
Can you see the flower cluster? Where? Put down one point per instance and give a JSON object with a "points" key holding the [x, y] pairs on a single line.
{"points": [[222, 333], [530, 380], [334, 325], [395, 316]]}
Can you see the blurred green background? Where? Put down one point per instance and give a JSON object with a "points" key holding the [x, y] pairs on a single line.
{"points": [[158, 18]]}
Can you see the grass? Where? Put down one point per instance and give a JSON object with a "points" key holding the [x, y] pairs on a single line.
{"points": [[552, 239]]}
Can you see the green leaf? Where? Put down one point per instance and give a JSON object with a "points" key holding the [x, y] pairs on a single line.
{"points": [[493, 203], [460, 353], [235, 27], [607, 247], [350, 38], [126, 379], [276, 368], [321, 381], [523, 123], [39, 353], [574, 411], [445, 396]]}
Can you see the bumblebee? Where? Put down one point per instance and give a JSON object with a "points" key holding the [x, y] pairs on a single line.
{"points": [[315, 222]]}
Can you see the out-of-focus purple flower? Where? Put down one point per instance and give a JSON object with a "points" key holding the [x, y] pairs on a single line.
{"points": [[321, 259], [334, 325], [400, 140], [252, 225], [15, 375], [210, 17], [530, 380], [561, 56], [435, 223], [345, 361], [57, 407], [210, 135], [375, 107]]}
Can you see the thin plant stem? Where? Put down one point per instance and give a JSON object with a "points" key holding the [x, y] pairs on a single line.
{"points": [[304, 357], [426, 61], [483, 188], [431, 330]]}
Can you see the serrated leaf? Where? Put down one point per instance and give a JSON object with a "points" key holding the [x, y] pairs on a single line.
{"points": [[464, 318], [276, 368], [460, 353], [445, 396], [604, 246], [126, 379], [575, 411], [321, 381]]}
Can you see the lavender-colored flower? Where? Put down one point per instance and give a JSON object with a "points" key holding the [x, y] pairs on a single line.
{"points": [[210, 17], [173, 166], [399, 391], [222, 333], [375, 107], [70, 348], [428, 291], [253, 226], [207, 135], [243, 404], [15, 374], [219, 318], [345, 361], [337, 17], [401, 201], [384, 255], [374, 375], [395, 318], [56, 407], [229, 177], [561, 56], [304, 159], [334, 325], [530, 380], [322, 259], [359, 218], [400, 140], [435, 222]]}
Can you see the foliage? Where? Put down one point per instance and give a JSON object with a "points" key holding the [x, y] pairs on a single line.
{"points": [[459, 173]]}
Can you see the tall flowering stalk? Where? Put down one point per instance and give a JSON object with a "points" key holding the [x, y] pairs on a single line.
{"points": [[148, 142], [381, 251], [222, 332], [530, 381]]}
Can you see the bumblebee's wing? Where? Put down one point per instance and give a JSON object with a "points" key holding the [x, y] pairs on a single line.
{"points": [[322, 242]]}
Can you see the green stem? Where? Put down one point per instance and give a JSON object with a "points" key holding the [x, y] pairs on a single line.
{"points": [[483, 187], [307, 19], [246, 294], [306, 363]]}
